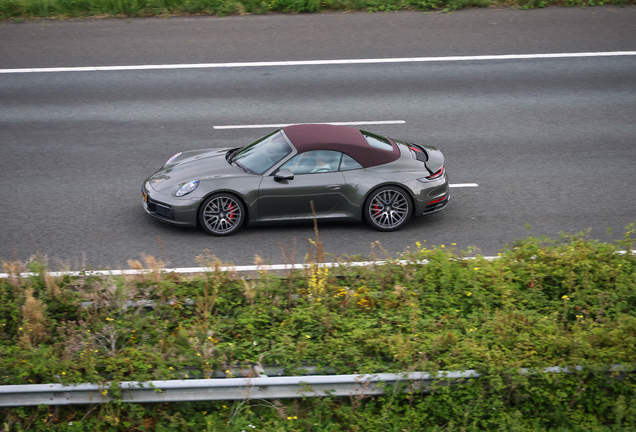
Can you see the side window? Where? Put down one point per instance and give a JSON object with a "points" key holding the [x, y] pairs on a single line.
{"points": [[311, 162], [348, 163]]}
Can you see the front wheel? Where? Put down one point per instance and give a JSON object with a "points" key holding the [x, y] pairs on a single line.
{"points": [[221, 214], [388, 208]]}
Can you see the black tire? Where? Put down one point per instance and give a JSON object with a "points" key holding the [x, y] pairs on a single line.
{"points": [[388, 208], [221, 214]]}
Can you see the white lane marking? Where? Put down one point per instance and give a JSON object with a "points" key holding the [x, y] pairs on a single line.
{"points": [[320, 62], [259, 126], [223, 269], [242, 268], [457, 185]]}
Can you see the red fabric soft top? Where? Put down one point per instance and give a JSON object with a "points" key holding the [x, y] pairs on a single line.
{"points": [[344, 139]]}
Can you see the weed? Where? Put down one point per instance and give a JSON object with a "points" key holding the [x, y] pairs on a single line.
{"points": [[34, 330]]}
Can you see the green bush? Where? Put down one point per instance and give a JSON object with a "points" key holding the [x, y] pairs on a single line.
{"points": [[569, 302]]}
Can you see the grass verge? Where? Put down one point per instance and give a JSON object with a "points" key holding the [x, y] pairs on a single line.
{"points": [[21, 9], [543, 303]]}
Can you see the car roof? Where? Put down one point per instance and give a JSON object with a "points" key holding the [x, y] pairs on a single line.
{"points": [[344, 139]]}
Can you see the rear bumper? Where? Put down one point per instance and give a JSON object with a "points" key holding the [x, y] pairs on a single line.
{"points": [[437, 206], [430, 197]]}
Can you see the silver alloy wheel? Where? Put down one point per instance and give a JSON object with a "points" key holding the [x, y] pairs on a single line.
{"points": [[222, 215], [389, 209]]}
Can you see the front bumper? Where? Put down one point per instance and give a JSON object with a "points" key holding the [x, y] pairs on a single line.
{"points": [[176, 211]]}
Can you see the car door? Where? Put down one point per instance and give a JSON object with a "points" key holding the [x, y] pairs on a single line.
{"points": [[316, 178]]}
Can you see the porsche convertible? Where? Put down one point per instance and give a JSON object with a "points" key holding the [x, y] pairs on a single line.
{"points": [[300, 172]]}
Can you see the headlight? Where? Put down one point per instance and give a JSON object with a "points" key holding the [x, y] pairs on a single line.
{"points": [[187, 188], [174, 157]]}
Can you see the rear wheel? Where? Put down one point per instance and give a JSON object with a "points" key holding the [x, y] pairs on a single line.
{"points": [[221, 214], [388, 208]]}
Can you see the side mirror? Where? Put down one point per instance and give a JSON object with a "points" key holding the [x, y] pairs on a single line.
{"points": [[284, 175]]}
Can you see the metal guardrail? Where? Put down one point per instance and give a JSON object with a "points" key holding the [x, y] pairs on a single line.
{"points": [[262, 387], [220, 389]]}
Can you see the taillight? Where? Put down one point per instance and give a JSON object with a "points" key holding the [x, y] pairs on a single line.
{"points": [[415, 149], [436, 175]]}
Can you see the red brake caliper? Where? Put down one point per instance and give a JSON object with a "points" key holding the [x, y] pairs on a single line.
{"points": [[230, 212], [376, 209]]}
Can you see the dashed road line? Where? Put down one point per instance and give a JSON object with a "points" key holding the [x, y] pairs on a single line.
{"points": [[463, 185], [281, 125]]}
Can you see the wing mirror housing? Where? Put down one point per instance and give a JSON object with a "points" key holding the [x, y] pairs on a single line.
{"points": [[284, 175]]}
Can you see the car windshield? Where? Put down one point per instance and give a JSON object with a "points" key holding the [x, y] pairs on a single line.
{"points": [[260, 156]]}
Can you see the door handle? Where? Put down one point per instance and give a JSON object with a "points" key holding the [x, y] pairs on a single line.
{"points": [[333, 187]]}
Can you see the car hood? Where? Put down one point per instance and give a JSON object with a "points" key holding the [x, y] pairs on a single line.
{"points": [[192, 165]]}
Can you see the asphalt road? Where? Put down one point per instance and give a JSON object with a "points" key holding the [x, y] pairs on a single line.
{"points": [[550, 141]]}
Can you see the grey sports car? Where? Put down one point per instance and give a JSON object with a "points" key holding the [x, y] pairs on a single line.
{"points": [[348, 174]]}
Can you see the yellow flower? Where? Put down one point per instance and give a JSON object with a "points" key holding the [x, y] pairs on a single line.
{"points": [[443, 246], [453, 244], [565, 297], [469, 293]]}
